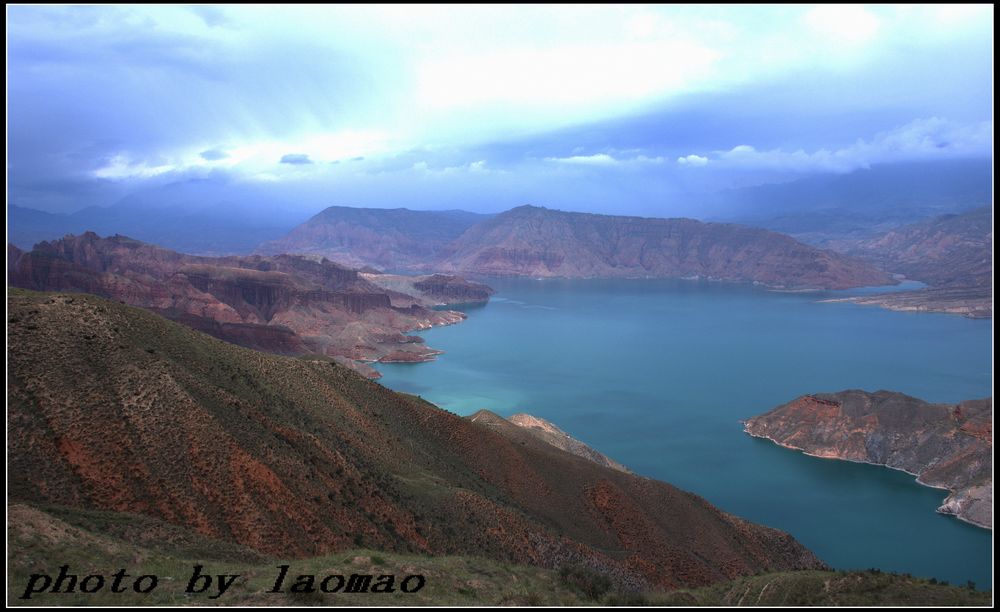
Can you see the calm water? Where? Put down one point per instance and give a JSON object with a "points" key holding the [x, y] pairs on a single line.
{"points": [[658, 374]]}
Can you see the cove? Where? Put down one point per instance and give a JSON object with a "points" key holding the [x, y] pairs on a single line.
{"points": [[658, 374]]}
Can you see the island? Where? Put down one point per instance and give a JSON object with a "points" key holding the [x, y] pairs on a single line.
{"points": [[948, 446]]}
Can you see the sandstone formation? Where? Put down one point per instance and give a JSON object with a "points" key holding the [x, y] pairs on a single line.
{"points": [[946, 446], [289, 305]]}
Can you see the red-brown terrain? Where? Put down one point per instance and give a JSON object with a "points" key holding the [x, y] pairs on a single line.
{"points": [[944, 445], [386, 238], [947, 251], [115, 408], [430, 290], [284, 304], [952, 253], [538, 242]]}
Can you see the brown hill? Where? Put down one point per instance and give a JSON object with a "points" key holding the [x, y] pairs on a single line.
{"points": [[115, 408], [389, 238], [288, 305], [50, 536], [532, 241], [947, 251], [944, 445], [537, 242]]}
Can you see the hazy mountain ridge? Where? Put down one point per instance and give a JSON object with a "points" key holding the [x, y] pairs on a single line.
{"points": [[115, 408], [947, 446], [836, 210], [222, 230]]}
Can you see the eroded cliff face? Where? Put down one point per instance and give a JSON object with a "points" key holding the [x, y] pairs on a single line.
{"points": [[113, 408], [284, 304], [945, 446]]}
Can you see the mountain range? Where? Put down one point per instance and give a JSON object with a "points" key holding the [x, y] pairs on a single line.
{"points": [[538, 242], [827, 209]]}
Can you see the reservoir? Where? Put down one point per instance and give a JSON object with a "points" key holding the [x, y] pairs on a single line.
{"points": [[657, 374]]}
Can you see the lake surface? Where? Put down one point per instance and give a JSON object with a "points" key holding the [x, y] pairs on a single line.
{"points": [[658, 374]]}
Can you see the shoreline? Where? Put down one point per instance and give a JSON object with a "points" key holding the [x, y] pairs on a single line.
{"points": [[897, 469]]}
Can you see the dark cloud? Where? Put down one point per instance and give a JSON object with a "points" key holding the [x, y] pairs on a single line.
{"points": [[212, 16], [295, 158], [214, 154], [98, 87]]}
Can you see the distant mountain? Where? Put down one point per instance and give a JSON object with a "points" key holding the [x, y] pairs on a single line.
{"points": [[947, 251], [944, 445], [538, 242], [391, 238], [952, 253], [285, 304], [201, 217], [112, 408], [826, 209]]}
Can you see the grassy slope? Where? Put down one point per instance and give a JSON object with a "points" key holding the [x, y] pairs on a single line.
{"points": [[41, 539], [115, 408]]}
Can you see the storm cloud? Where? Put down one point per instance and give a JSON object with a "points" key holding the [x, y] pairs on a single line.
{"points": [[610, 109]]}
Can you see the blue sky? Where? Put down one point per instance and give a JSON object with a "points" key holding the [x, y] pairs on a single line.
{"points": [[634, 109]]}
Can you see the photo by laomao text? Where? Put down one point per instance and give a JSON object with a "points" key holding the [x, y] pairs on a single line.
{"points": [[214, 586]]}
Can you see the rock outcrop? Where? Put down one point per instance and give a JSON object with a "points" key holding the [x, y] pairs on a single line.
{"points": [[548, 432], [431, 290], [113, 408], [971, 302], [945, 446], [290, 305]]}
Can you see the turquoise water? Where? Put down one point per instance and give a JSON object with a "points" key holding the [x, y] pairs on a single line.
{"points": [[658, 374]]}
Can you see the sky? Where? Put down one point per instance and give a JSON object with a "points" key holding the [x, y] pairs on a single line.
{"points": [[625, 109]]}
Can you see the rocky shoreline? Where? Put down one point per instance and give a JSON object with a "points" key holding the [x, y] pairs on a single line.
{"points": [[974, 303], [944, 446]]}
